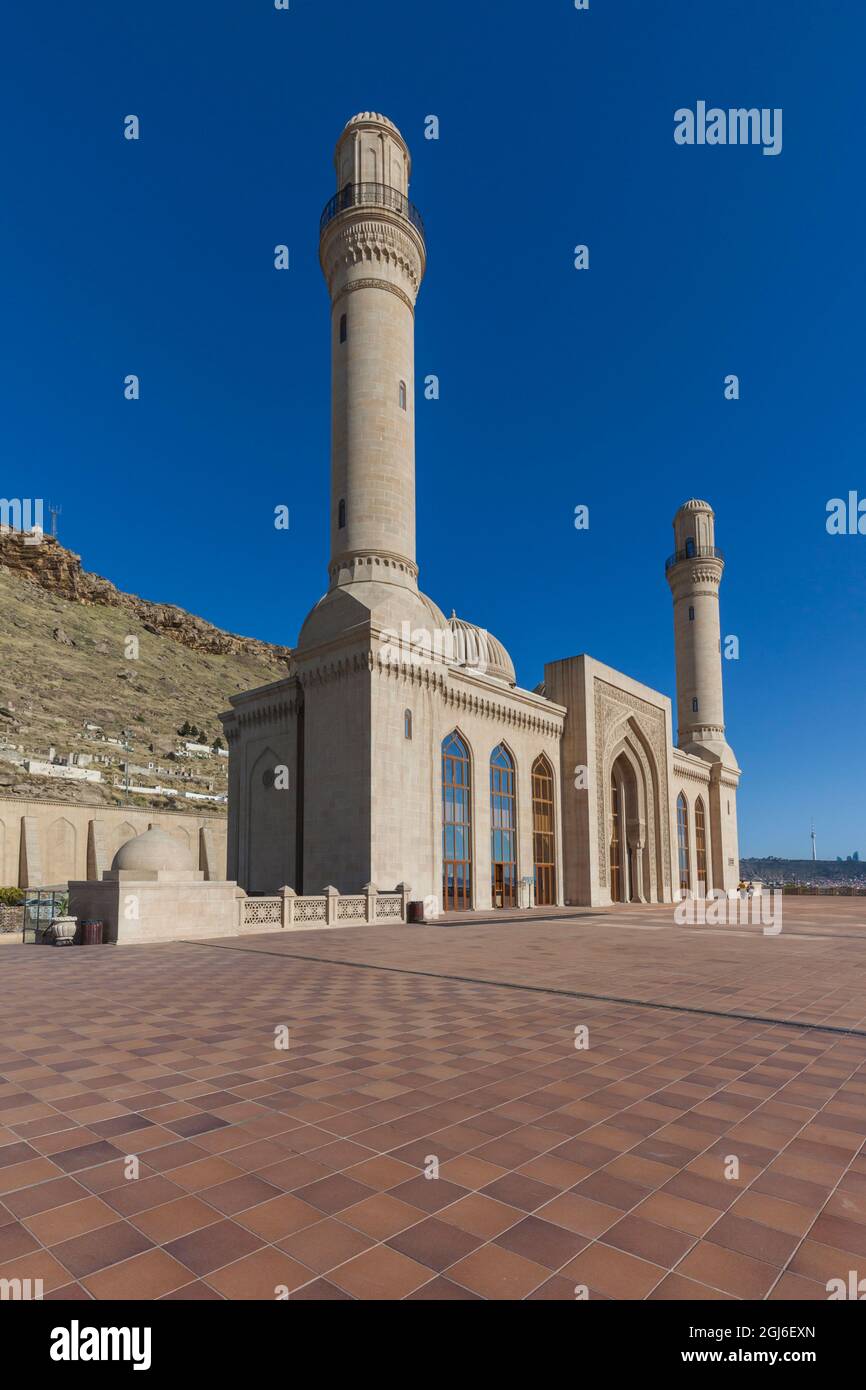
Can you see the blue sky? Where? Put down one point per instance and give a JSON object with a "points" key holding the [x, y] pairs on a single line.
{"points": [[558, 387]]}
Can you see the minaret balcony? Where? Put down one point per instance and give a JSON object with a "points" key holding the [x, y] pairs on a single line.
{"points": [[371, 195], [694, 552]]}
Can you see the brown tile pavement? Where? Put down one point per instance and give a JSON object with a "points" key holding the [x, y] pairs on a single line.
{"points": [[303, 1171]]}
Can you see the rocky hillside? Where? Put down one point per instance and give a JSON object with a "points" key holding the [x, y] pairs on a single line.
{"points": [[67, 661], [58, 571]]}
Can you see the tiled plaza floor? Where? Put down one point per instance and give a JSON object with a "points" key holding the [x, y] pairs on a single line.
{"points": [[304, 1169]]}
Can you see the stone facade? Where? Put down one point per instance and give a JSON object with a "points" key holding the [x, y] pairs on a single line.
{"points": [[615, 728], [138, 913], [337, 773], [366, 797]]}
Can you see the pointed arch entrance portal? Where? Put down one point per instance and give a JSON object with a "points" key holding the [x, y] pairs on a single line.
{"points": [[631, 803]]}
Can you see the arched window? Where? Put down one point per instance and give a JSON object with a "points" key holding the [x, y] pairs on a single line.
{"points": [[341, 513], [407, 723], [701, 846], [691, 614], [456, 825], [344, 332], [695, 705], [616, 892], [503, 828], [690, 547], [543, 833], [403, 397], [683, 843]]}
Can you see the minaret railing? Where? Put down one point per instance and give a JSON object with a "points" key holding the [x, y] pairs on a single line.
{"points": [[374, 195], [695, 552]]}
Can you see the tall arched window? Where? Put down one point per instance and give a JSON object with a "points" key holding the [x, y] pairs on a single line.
{"points": [[456, 825], [341, 513], [543, 833], [403, 397], [616, 893], [407, 723], [503, 828], [683, 843], [344, 332], [701, 845]]}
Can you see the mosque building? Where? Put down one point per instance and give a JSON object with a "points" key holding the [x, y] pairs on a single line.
{"points": [[399, 749]]}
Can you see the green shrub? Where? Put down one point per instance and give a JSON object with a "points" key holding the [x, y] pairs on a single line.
{"points": [[11, 897]]}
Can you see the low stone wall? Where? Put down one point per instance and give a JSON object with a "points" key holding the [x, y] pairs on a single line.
{"points": [[11, 924], [328, 909], [46, 842], [182, 906], [179, 906]]}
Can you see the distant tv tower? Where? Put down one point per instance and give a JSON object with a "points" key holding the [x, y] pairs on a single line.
{"points": [[814, 845], [55, 512]]}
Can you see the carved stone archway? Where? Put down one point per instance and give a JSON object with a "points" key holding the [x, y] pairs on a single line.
{"points": [[629, 762]]}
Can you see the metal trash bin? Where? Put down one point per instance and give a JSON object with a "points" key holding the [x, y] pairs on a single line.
{"points": [[91, 933], [415, 912]]}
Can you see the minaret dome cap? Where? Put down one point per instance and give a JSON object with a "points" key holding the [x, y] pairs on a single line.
{"points": [[695, 504], [372, 118], [374, 139]]}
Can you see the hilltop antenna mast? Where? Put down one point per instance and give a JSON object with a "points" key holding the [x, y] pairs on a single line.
{"points": [[55, 512]]}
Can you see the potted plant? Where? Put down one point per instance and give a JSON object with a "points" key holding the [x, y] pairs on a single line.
{"points": [[63, 930]]}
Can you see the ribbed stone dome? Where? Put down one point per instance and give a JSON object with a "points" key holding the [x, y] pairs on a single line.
{"points": [[152, 851], [480, 650], [365, 117], [695, 505]]}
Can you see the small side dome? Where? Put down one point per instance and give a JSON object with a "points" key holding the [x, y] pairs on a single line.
{"points": [[152, 851], [480, 651]]}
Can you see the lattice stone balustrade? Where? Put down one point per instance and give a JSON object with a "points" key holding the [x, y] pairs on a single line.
{"points": [[328, 909], [11, 921]]}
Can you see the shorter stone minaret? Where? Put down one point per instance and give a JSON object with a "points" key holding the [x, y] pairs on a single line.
{"points": [[694, 572]]}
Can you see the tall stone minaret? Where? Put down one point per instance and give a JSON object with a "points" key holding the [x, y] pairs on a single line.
{"points": [[372, 254], [694, 573]]}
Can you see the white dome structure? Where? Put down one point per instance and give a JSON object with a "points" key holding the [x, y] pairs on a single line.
{"points": [[152, 852], [154, 892], [480, 651]]}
